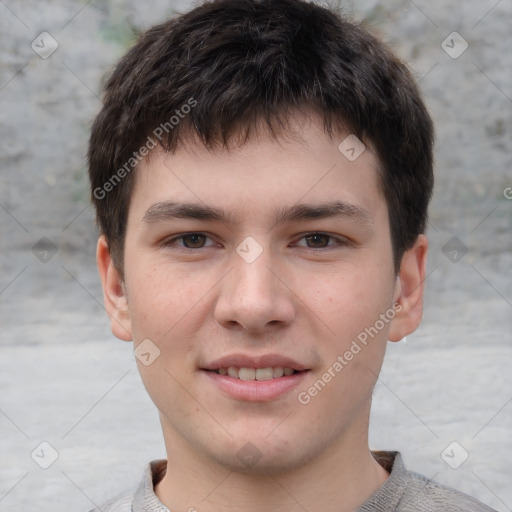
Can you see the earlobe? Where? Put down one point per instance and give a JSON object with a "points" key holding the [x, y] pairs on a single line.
{"points": [[409, 291], [114, 293]]}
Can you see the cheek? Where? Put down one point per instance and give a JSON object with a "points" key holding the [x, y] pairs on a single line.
{"points": [[165, 299], [350, 299], [166, 308], [350, 304]]}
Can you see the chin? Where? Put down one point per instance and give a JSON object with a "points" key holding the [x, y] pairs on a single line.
{"points": [[266, 465], [259, 456]]}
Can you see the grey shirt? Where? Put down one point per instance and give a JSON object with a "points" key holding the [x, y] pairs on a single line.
{"points": [[403, 491]]}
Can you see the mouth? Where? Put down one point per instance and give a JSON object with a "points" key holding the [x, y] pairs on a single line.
{"points": [[259, 374], [261, 378]]}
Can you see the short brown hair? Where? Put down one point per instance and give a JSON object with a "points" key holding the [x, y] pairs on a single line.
{"points": [[227, 65]]}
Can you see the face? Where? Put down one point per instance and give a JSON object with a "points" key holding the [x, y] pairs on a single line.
{"points": [[259, 287]]}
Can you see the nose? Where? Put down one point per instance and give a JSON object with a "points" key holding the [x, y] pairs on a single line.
{"points": [[254, 296]]}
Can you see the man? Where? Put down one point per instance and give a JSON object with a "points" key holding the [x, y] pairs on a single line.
{"points": [[261, 172]]}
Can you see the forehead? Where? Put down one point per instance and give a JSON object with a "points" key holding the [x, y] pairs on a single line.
{"points": [[302, 164]]}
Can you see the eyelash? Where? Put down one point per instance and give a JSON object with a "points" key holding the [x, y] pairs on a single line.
{"points": [[173, 241]]}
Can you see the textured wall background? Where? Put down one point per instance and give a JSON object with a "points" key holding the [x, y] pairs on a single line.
{"points": [[67, 382]]}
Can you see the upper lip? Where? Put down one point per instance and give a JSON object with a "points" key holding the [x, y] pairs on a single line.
{"points": [[254, 361]]}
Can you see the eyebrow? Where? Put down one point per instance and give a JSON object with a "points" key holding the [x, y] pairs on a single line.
{"points": [[168, 210]]}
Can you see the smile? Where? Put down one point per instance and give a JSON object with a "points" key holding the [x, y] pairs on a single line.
{"points": [[244, 383], [259, 374]]}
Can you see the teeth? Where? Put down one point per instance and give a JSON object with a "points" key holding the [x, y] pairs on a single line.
{"points": [[259, 374], [278, 372], [246, 373], [264, 374]]}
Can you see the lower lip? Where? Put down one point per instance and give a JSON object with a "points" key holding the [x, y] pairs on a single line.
{"points": [[255, 390]]}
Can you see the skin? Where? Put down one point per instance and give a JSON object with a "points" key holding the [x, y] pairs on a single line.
{"points": [[305, 298]]}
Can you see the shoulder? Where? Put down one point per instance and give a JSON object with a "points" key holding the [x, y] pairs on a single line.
{"points": [[407, 491], [143, 498], [425, 495], [122, 503]]}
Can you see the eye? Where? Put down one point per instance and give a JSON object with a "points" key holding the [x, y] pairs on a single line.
{"points": [[189, 241], [320, 241]]}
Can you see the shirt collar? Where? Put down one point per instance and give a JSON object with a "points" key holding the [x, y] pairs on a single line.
{"points": [[385, 498], [388, 495], [145, 499]]}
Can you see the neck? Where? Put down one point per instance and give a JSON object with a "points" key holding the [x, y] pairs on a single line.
{"points": [[338, 480]]}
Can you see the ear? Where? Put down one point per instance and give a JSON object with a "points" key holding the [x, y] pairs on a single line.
{"points": [[114, 293], [409, 289]]}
